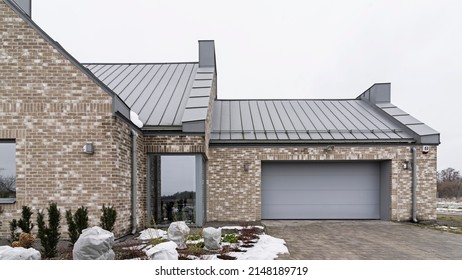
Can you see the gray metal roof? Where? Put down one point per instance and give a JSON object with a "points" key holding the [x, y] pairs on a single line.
{"points": [[422, 132], [162, 94], [306, 120]]}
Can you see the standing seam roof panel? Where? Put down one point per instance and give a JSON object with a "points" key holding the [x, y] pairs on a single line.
{"points": [[372, 123], [176, 100], [305, 120], [296, 122], [236, 122], [247, 122], [386, 125], [354, 120], [344, 121], [134, 96], [135, 82], [286, 121], [162, 103], [266, 120], [257, 121], [225, 122], [276, 120]]}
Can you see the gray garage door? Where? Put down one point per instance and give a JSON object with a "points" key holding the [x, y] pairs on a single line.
{"points": [[320, 190]]}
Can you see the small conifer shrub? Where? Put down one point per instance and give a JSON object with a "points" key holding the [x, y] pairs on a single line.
{"points": [[77, 222], [49, 234], [108, 218], [24, 224]]}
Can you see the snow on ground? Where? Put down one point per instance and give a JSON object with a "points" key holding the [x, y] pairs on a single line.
{"points": [[266, 247], [152, 233], [239, 227], [449, 207]]}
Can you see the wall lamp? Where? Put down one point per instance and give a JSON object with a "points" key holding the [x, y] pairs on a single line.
{"points": [[246, 167], [406, 164], [89, 148], [329, 148]]}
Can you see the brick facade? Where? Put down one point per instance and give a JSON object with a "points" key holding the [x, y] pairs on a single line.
{"points": [[51, 109], [235, 195]]}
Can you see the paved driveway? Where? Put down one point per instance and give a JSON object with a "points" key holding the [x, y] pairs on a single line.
{"points": [[363, 240]]}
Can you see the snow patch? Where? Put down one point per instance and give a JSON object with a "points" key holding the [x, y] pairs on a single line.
{"points": [[151, 233], [239, 227], [267, 248], [136, 119]]}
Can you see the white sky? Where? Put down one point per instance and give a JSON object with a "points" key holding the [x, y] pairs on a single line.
{"points": [[287, 49]]}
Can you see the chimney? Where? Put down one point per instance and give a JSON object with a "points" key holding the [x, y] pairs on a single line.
{"points": [[206, 53], [25, 5], [378, 93]]}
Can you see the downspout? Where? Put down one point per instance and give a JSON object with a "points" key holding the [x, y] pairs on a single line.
{"points": [[414, 186], [133, 183]]}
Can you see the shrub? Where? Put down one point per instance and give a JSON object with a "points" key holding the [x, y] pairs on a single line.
{"points": [[77, 222], [230, 238], [14, 236], [108, 218], [24, 224], [49, 234]]}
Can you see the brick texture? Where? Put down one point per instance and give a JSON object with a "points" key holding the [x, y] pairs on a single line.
{"points": [[51, 109], [235, 195]]}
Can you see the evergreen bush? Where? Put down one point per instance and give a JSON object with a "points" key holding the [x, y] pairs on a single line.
{"points": [[24, 224], [49, 234], [108, 218], [77, 223]]}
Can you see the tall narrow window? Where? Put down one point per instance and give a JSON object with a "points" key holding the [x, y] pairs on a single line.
{"points": [[7, 172], [175, 189]]}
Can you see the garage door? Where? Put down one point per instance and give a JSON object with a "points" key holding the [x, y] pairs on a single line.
{"points": [[320, 190]]}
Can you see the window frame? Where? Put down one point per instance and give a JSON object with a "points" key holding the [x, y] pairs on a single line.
{"points": [[11, 200]]}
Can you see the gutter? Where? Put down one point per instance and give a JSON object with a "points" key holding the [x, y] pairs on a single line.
{"points": [[414, 185], [133, 135]]}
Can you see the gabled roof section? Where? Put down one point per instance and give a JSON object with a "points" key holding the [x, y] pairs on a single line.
{"points": [[157, 92], [302, 120], [118, 107], [165, 96]]}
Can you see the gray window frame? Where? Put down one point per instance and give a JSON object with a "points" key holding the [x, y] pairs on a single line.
{"points": [[12, 199]]}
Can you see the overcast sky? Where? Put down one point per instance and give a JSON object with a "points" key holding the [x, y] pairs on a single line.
{"points": [[287, 49]]}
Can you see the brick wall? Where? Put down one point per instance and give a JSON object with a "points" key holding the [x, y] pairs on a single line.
{"points": [[51, 109], [235, 195]]}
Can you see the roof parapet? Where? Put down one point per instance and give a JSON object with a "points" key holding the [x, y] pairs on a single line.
{"points": [[207, 53], [378, 93]]}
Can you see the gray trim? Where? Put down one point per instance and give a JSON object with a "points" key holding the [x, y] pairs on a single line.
{"points": [[385, 190], [25, 5], [8, 200], [377, 93], [199, 190]]}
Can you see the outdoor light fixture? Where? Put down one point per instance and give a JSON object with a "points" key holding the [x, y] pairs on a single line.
{"points": [[406, 165], [88, 148], [329, 148], [246, 167]]}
